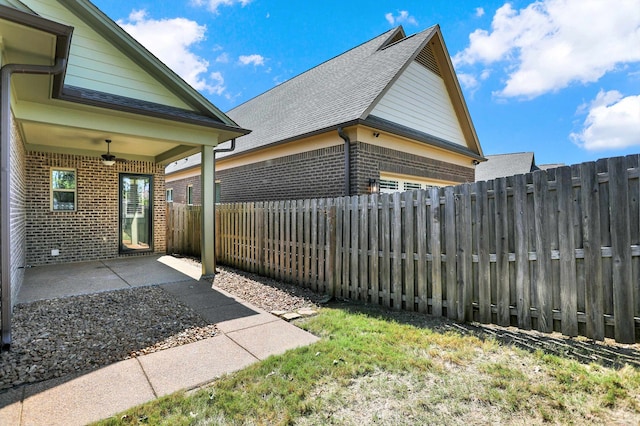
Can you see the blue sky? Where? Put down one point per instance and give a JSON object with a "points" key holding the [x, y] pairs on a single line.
{"points": [[560, 78]]}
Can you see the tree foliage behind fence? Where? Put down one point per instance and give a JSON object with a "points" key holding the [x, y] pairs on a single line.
{"points": [[556, 250]]}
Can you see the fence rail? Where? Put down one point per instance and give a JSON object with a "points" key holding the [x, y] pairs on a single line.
{"points": [[556, 250]]}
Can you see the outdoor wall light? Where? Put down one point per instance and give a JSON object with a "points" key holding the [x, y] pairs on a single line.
{"points": [[374, 186]]}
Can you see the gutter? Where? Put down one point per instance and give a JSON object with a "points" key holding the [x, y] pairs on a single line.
{"points": [[347, 161], [5, 185]]}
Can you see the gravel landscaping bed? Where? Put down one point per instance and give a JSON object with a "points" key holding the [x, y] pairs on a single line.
{"points": [[60, 337]]}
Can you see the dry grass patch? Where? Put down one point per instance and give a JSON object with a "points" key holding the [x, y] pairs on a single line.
{"points": [[376, 367]]}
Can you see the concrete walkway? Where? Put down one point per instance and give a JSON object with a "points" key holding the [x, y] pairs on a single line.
{"points": [[247, 334]]}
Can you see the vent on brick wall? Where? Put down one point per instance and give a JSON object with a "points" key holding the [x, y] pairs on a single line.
{"points": [[427, 59]]}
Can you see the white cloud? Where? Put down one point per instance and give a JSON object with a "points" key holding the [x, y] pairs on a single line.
{"points": [[551, 44], [251, 59], [402, 18], [219, 86], [171, 41], [479, 12], [468, 81], [213, 5], [613, 122], [223, 58]]}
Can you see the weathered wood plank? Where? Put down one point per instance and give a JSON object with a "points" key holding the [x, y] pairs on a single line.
{"points": [[543, 251], [409, 263], [396, 248], [523, 283], [300, 241], [307, 243], [363, 243], [436, 252], [482, 241], [347, 286], [322, 221], [353, 260], [293, 251], [329, 228], [566, 239], [373, 244], [594, 297], [314, 244], [623, 308], [421, 236], [463, 252], [385, 246], [502, 252], [332, 273], [450, 250], [338, 248]]}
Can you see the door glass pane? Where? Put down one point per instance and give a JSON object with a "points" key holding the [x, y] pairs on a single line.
{"points": [[135, 212]]}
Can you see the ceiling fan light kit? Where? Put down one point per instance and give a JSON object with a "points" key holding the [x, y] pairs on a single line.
{"points": [[108, 159]]}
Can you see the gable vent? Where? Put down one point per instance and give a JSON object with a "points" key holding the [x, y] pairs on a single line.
{"points": [[427, 59]]}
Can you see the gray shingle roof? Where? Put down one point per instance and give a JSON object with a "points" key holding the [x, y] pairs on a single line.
{"points": [[338, 91], [503, 165]]}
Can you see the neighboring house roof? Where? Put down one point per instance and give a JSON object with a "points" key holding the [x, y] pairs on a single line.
{"points": [[503, 165], [345, 91]]}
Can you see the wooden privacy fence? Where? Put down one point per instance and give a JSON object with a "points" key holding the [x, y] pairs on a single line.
{"points": [[557, 250], [183, 229]]}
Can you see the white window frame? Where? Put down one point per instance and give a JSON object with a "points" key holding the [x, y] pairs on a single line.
{"points": [[169, 195], [189, 195], [53, 190]]}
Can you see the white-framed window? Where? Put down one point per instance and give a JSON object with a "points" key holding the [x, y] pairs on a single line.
{"points": [[169, 195], [388, 186], [64, 189], [390, 183], [190, 195]]}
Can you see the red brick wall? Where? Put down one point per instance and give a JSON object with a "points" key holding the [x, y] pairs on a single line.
{"points": [[91, 232]]}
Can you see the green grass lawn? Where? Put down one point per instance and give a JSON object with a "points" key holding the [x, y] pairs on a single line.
{"points": [[371, 368]]}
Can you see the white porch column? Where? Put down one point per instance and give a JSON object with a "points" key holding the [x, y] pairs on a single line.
{"points": [[207, 173]]}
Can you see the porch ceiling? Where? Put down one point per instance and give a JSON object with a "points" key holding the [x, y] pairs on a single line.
{"points": [[52, 125]]}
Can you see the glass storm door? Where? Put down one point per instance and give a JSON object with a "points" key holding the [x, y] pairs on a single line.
{"points": [[136, 212]]}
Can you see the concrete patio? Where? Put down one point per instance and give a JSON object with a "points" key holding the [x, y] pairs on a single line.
{"points": [[247, 334]]}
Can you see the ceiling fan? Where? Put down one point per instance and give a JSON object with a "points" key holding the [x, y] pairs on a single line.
{"points": [[109, 159]]}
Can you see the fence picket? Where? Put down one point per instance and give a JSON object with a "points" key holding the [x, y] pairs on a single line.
{"points": [[502, 252], [421, 236], [482, 239], [385, 245], [450, 250], [436, 253], [543, 253], [568, 289], [621, 251], [396, 249], [409, 236], [523, 283], [375, 257]]}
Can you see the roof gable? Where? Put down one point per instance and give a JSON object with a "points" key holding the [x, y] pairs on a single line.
{"points": [[104, 58], [346, 89]]}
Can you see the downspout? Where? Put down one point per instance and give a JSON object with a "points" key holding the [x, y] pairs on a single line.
{"points": [[347, 161], [5, 185], [215, 151]]}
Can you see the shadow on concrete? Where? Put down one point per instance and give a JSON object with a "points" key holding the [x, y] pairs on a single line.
{"points": [[85, 312]]}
